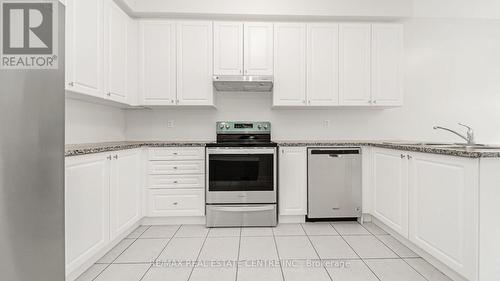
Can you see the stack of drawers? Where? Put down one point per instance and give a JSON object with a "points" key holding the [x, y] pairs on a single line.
{"points": [[176, 182]]}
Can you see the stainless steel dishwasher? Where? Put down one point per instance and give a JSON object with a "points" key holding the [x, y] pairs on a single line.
{"points": [[334, 183]]}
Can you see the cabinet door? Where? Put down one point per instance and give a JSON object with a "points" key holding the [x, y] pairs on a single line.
{"points": [[355, 41], [86, 208], [390, 189], [322, 64], [289, 64], [116, 52], [228, 48], [258, 48], [387, 58], [194, 63], [444, 210], [84, 47], [125, 191], [157, 62], [293, 181]]}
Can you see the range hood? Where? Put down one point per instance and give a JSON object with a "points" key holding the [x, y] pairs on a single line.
{"points": [[246, 83]]}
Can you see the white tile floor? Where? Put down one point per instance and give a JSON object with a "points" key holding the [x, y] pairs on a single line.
{"points": [[340, 251]]}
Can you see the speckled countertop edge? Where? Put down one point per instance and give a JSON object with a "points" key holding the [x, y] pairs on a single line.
{"points": [[91, 148]]}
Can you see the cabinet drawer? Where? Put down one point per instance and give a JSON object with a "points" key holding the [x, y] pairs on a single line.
{"points": [[177, 153], [176, 202], [176, 181], [176, 167]]}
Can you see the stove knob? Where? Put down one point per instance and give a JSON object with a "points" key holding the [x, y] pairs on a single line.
{"points": [[259, 126], [265, 127], [221, 127], [227, 126]]}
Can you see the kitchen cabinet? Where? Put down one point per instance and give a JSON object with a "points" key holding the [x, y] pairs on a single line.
{"points": [[243, 48], [354, 72], [289, 64], [84, 47], [258, 48], [87, 200], [116, 52], [390, 189], [387, 64], [322, 64], [125, 191], [444, 209], [228, 48], [102, 202], [292, 181], [175, 182], [157, 74], [194, 63]]}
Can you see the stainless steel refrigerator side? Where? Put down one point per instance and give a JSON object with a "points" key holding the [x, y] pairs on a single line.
{"points": [[32, 172]]}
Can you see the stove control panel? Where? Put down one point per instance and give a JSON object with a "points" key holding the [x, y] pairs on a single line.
{"points": [[243, 127]]}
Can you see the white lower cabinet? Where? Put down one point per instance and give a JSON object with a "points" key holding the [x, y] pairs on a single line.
{"points": [[176, 202], [432, 200], [125, 191], [390, 189], [86, 208], [292, 181], [102, 202], [175, 182], [444, 209]]}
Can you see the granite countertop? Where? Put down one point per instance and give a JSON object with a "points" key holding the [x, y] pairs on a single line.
{"points": [[90, 148], [414, 146]]}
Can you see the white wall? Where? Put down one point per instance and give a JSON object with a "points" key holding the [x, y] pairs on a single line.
{"points": [[87, 122], [452, 75]]}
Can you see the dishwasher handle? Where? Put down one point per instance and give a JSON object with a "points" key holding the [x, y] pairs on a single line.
{"points": [[335, 152]]}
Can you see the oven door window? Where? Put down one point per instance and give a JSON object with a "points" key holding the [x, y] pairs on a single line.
{"points": [[241, 172]]}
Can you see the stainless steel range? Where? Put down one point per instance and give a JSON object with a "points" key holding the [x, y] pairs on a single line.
{"points": [[241, 176]]}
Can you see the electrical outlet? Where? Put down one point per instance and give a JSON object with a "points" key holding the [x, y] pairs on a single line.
{"points": [[170, 123], [326, 123]]}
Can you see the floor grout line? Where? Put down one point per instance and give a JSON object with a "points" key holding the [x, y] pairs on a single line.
{"points": [[278, 254], [108, 265], [314, 248], [369, 268], [198, 256], [238, 258]]}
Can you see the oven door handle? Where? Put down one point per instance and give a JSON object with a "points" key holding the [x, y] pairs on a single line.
{"points": [[244, 209]]}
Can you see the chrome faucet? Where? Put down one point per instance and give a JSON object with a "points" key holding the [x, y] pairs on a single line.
{"points": [[470, 133]]}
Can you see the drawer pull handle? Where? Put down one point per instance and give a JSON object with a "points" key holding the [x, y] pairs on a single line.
{"points": [[176, 182], [175, 203], [175, 168], [175, 153]]}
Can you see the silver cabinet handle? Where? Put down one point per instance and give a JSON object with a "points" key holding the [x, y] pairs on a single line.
{"points": [[403, 156], [175, 153], [175, 168], [243, 209], [176, 182], [374, 101], [71, 84], [109, 157], [109, 94], [115, 157], [409, 156], [175, 203]]}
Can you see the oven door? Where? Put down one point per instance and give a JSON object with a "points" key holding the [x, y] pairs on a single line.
{"points": [[241, 175]]}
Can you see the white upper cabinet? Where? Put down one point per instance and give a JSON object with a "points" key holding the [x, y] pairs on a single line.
{"points": [[258, 48], [390, 189], [157, 62], [322, 64], [290, 64], [228, 48], [387, 58], [355, 46], [116, 32], [125, 191], [293, 181], [443, 209], [84, 47], [194, 63]]}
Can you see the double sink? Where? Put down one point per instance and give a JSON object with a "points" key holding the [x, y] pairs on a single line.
{"points": [[455, 146]]}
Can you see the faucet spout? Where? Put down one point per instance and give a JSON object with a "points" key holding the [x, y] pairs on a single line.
{"points": [[470, 134]]}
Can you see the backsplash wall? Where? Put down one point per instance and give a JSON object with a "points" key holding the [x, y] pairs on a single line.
{"points": [[447, 79]]}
